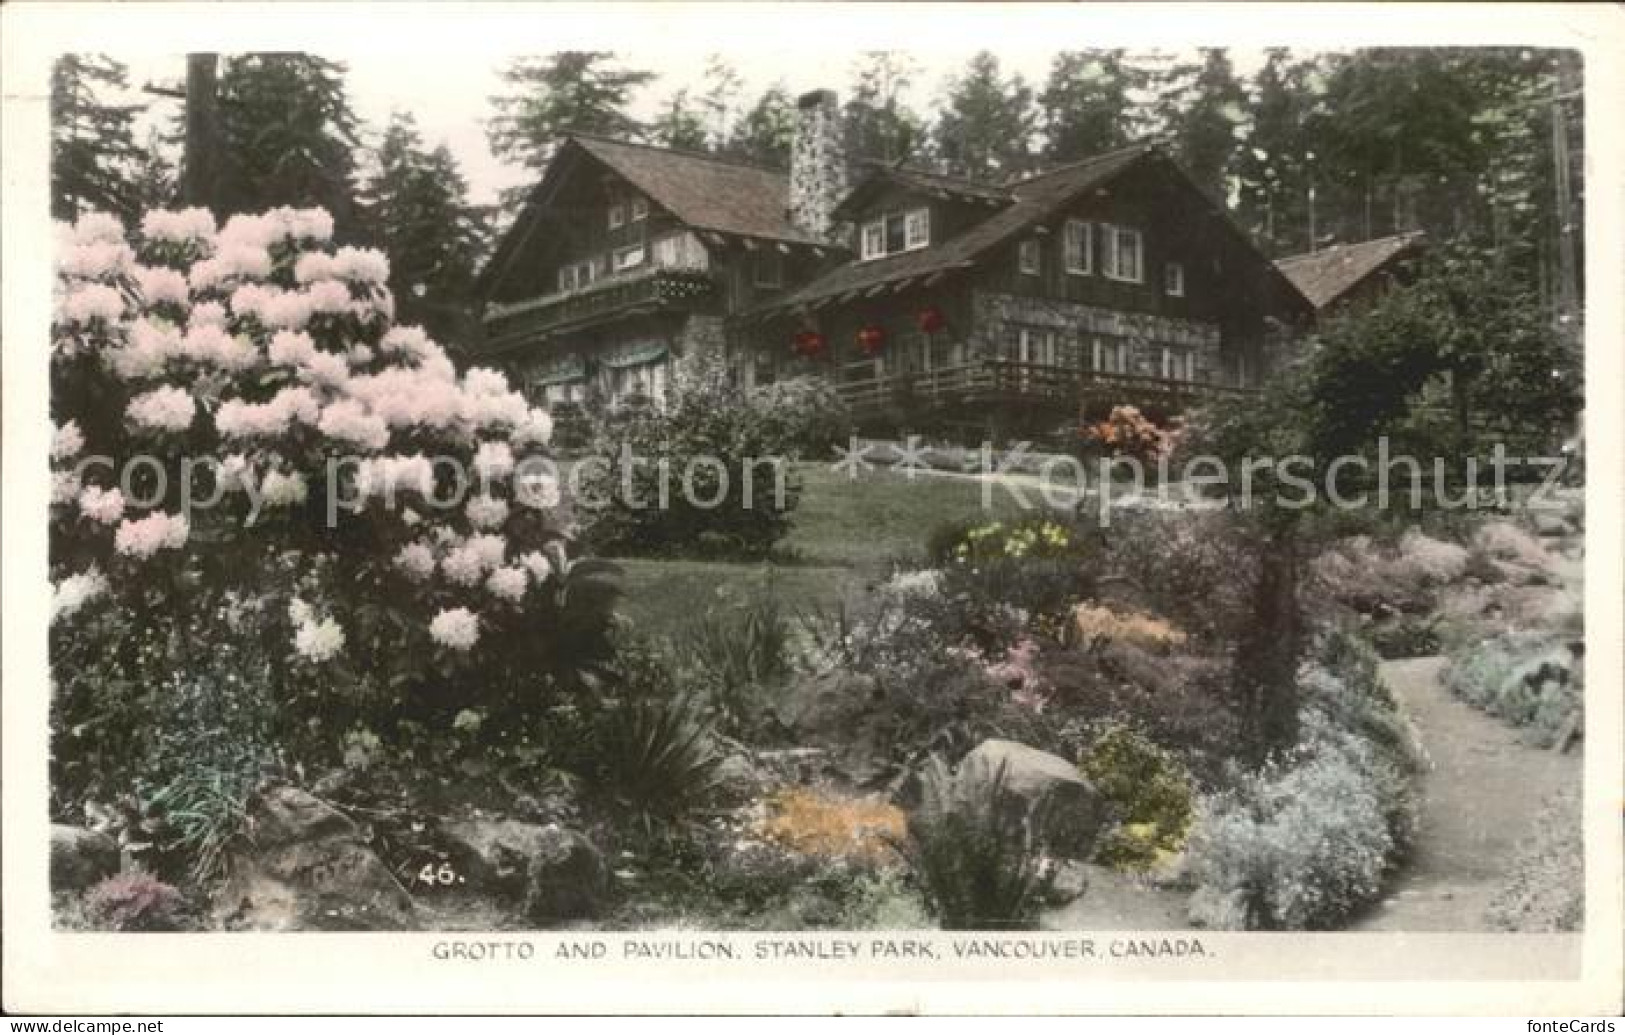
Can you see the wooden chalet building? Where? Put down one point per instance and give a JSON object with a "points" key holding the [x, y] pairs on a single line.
{"points": [[1352, 276], [930, 301]]}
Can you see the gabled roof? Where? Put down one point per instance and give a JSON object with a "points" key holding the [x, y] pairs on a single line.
{"points": [[1327, 275], [925, 181], [705, 192], [1032, 200]]}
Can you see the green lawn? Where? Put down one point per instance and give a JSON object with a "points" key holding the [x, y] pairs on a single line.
{"points": [[847, 533]]}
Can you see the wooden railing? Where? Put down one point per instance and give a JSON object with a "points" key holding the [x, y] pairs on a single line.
{"points": [[992, 381], [658, 288]]}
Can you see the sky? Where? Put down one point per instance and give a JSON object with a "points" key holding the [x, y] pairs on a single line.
{"points": [[452, 109]]}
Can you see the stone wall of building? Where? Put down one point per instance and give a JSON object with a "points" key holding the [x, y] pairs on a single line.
{"points": [[999, 318]]}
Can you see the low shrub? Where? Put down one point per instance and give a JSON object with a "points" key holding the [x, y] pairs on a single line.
{"points": [[978, 856], [1196, 569], [1506, 541], [1407, 636], [1306, 840], [134, 901], [1432, 561], [806, 415], [708, 475], [1530, 679], [1148, 791]]}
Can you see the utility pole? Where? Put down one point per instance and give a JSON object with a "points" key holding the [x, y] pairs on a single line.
{"points": [[1568, 288]]}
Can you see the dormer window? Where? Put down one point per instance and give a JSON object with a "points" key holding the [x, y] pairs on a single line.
{"points": [[916, 229], [639, 208], [617, 215], [895, 232], [1125, 253]]}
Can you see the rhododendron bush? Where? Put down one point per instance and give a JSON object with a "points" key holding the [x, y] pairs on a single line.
{"points": [[240, 425]]}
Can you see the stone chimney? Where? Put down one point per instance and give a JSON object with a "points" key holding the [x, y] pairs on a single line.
{"points": [[817, 164]]}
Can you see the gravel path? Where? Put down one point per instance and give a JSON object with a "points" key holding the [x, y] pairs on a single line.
{"points": [[1480, 799]]}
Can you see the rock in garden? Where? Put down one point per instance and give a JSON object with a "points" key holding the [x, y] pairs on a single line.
{"points": [[550, 873], [1074, 812], [306, 867], [826, 703], [80, 857]]}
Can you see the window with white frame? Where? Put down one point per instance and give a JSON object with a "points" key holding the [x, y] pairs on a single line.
{"points": [[1125, 254], [1173, 279], [895, 232], [874, 239], [1078, 246], [639, 208], [1027, 256], [916, 229], [617, 215], [629, 257]]}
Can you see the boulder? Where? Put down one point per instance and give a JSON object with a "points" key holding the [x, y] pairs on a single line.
{"points": [[305, 866], [826, 703], [80, 857], [551, 874], [1074, 812]]}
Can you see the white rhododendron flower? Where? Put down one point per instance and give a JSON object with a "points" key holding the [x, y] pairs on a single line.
{"points": [[207, 314], [279, 489], [290, 348], [67, 441], [387, 475], [490, 548], [97, 260], [363, 265], [163, 409], [144, 537], [161, 285], [103, 506], [349, 421], [75, 591], [535, 430], [65, 487], [416, 560], [411, 341], [493, 460], [458, 628], [328, 296], [486, 512], [313, 266], [325, 369], [509, 583], [540, 568], [300, 612], [319, 641], [98, 228], [234, 473], [90, 304], [186, 226]]}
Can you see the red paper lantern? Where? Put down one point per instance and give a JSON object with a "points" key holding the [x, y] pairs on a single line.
{"points": [[932, 320], [871, 340], [809, 344]]}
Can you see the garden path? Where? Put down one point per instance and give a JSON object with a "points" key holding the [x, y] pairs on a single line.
{"points": [[1480, 798]]}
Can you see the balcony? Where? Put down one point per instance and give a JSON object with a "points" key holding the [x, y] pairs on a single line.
{"points": [[656, 289], [1003, 382]]}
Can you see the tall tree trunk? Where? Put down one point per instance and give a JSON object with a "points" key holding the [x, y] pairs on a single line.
{"points": [[1265, 676], [202, 181]]}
